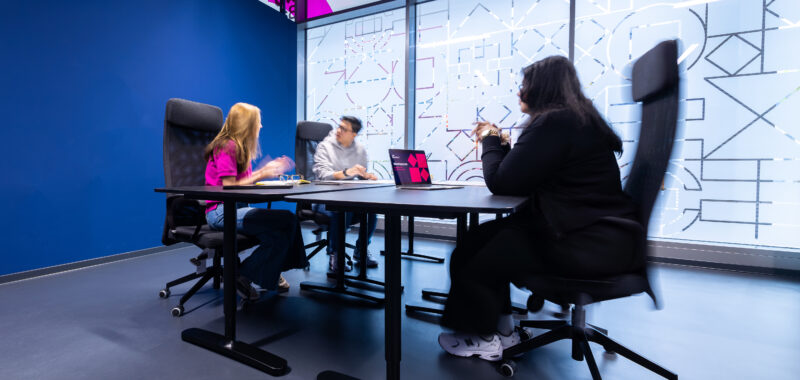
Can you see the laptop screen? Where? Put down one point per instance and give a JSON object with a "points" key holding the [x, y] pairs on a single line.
{"points": [[409, 167]]}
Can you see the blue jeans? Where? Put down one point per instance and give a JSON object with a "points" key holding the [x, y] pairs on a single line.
{"points": [[333, 238], [274, 229]]}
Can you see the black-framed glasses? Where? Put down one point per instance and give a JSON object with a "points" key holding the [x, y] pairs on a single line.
{"points": [[343, 129]]}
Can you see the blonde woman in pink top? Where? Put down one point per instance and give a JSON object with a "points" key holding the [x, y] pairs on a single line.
{"points": [[229, 158]]}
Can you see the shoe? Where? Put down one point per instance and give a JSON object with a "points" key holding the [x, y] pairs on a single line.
{"points": [[519, 335], [332, 265], [283, 285], [467, 345], [371, 263], [246, 290]]}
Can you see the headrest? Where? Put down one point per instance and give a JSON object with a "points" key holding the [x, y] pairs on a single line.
{"points": [[656, 70], [312, 130], [193, 115]]}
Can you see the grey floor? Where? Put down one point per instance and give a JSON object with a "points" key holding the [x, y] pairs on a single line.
{"points": [[107, 322]]}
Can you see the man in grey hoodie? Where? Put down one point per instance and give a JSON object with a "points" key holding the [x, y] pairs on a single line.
{"points": [[340, 157]]}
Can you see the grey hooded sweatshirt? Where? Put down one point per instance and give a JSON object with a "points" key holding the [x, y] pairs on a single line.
{"points": [[332, 157]]}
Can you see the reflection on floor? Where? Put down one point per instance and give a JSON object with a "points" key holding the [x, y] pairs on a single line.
{"points": [[107, 322]]}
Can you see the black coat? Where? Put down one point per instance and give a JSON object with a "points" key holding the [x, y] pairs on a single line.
{"points": [[565, 166]]}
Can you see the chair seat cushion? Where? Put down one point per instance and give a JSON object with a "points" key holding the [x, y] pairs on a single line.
{"points": [[208, 238], [583, 290], [319, 218]]}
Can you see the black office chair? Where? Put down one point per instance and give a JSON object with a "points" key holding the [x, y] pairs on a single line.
{"points": [[188, 128], [308, 136], [655, 84]]}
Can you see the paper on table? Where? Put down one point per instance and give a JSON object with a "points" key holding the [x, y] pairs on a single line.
{"points": [[276, 183]]}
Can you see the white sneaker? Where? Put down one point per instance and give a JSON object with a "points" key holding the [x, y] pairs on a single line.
{"points": [[519, 335], [467, 345]]}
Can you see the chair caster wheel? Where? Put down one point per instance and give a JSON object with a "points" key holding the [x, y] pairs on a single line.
{"points": [[535, 303], [507, 368], [164, 293], [524, 335], [177, 311]]}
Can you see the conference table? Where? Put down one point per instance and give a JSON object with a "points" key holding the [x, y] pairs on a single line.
{"points": [[226, 344], [393, 203], [357, 196]]}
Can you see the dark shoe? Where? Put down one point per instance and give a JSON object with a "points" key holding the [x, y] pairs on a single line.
{"points": [[371, 263], [332, 265], [246, 290]]}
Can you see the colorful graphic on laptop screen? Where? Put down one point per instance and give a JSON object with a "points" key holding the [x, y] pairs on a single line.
{"points": [[409, 166]]}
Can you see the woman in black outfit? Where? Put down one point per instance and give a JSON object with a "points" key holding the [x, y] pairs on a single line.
{"points": [[564, 160]]}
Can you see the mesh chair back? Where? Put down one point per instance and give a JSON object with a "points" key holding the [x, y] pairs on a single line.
{"points": [[188, 128], [655, 84], [309, 134]]}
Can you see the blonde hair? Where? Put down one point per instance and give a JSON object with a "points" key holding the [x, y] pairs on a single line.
{"points": [[241, 126]]}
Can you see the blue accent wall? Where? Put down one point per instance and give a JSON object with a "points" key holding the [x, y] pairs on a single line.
{"points": [[83, 87]]}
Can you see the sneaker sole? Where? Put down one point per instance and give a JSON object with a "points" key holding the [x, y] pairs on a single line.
{"points": [[488, 356]]}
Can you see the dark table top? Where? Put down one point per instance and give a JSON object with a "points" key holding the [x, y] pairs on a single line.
{"points": [[217, 193], [418, 202]]}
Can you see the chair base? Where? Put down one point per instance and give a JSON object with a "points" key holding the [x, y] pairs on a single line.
{"points": [[360, 281], [412, 255], [211, 273], [341, 289], [332, 375], [430, 293], [241, 352], [581, 334], [319, 245]]}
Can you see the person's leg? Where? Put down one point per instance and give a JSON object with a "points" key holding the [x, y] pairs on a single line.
{"points": [[333, 238], [296, 256], [479, 301], [372, 224], [372, 221], [214, 218], [479, 304], [274, 230], [320, 208], [479, 290]]}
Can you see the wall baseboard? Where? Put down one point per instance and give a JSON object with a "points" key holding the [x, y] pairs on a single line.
{"points": [[19, 276], [748, 260], [751, 260]]}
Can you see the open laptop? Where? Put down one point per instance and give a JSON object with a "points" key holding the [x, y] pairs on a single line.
{"points": [[411, 170]]}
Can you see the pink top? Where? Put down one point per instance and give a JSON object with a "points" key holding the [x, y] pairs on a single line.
{"points": [[223, 164]]}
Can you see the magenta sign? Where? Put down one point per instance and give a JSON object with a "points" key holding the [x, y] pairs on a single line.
{"points": [[320, 8]]}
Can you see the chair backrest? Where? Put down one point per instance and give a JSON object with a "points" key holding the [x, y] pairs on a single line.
{"points": [[309, 134], [188, 128], [655, 84]]}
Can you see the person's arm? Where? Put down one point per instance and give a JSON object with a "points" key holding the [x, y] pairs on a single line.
{"points": [[540, 150], [269, 171], [225, 160], [364, 161], [324, 170], [323, 166], [226, 167]]}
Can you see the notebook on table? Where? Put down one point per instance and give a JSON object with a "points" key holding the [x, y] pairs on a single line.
{"points": [[262, 185], [411, 171]]}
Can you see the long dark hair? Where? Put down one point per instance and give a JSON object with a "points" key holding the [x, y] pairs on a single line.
{"points": [[552, 84]]}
